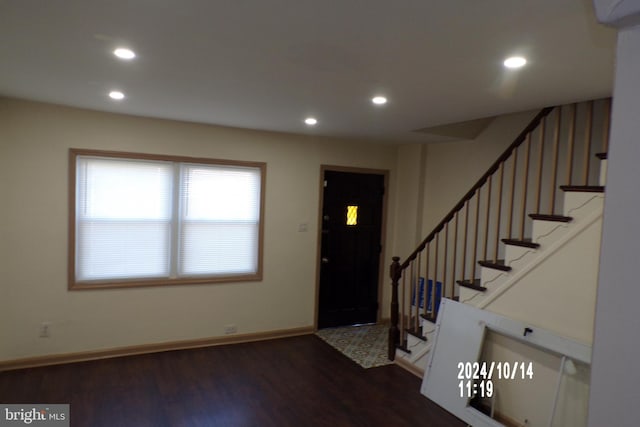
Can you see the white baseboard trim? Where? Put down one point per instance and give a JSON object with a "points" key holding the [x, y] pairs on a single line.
{"points": [[58, 359], [408, 366]]}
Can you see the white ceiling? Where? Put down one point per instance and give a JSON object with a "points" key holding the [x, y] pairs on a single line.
{"points": [[267, 64]]}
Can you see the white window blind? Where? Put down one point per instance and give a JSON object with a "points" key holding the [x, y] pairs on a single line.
{"points": [[123, 213], [219, 220], [157, 219]]}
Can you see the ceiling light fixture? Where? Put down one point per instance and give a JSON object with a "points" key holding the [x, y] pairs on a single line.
{"points": [[124, 53], [310, 121], [116, 95], [515, 62], [379, 100]]}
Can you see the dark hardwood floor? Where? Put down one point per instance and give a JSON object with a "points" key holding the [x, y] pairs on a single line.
{"points": [[298, 381]]}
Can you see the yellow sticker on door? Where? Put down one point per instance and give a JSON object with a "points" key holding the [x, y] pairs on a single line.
{"points": [[352, 215]]}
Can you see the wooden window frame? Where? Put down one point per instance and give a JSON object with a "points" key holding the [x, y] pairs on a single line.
{"points": [[73, 284]]}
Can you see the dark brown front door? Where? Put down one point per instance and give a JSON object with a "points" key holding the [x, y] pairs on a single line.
{"points": [[350, 248]]}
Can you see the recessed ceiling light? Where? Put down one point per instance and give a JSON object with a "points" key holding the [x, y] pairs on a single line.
{"points": [[124, 53], [116, 94], [310, 121], [515, 62], [379, 100]]}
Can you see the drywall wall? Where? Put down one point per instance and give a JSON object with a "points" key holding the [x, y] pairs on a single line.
{"points": [[4, 188], [410, 191], [453, 167], [559, 293], [34, 143], [614, 380]]}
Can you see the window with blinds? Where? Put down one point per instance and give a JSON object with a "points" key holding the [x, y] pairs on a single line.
{"points": [[153, 220]]}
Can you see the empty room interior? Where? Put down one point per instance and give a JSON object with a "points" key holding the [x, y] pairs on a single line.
{"points": [[261, 213]]}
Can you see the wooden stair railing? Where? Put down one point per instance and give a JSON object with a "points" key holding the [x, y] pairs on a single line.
{"points": [[436, 268]]}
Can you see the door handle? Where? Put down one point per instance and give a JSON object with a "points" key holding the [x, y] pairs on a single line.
{"points": [[325, 260]]}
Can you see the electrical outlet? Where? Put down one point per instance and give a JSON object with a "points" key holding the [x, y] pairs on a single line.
{"points": [[45, 330], [230, 329]]}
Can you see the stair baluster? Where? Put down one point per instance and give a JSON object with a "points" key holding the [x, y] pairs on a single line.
{"points": [[587, 142], [540, 166], [607, 126], [525, 182], [571, 138], [394, 332], [498, 213], [426, 283], [554, 167], [455, 253]]}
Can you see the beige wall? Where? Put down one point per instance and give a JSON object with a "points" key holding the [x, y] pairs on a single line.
{"points": [[453, 167], [409, 192], [559, 294], [425, 182], [34, 143]]}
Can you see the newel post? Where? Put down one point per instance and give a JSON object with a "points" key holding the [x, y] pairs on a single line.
{"points": [[395, 272]]}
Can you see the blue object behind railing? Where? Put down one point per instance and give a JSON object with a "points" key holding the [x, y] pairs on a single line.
{"points": [[420, 288]]}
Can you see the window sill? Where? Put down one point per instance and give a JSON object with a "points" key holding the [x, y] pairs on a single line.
{"points": [[142, 283]]}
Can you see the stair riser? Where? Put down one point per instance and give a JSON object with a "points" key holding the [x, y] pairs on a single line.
{"points": [[490, 278], [516, 256], [413, 343], [419, 350], [547, 232], [578, 205], [421, 362], [603, 172], [428, 328], [466, 294]]}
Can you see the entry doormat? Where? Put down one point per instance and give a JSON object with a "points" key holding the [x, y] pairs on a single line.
{"points": [[366, 344]]}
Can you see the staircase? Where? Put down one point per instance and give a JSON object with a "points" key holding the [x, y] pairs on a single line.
{"points": [[523, 221]]}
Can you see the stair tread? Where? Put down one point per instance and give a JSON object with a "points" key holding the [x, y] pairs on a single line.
{"points": [[527, 243], [557, 218], [602, 156], [475, 284], [417, 334], [498, 265], [583, 188]]}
